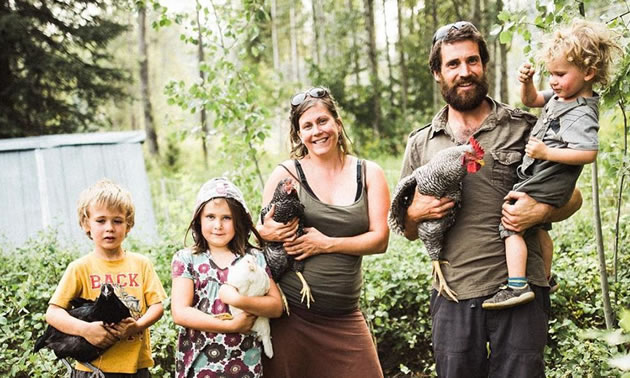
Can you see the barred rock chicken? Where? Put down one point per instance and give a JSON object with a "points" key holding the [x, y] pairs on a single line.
{"points": [[287, 206], [108, 308], [441, 177], [251, 280]]}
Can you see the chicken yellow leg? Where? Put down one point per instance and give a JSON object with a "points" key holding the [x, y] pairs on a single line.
{"points": [[439, 277], [306, 291], [285, 304]]}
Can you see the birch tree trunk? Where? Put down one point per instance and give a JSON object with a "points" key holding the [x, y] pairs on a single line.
{"points": [[372, 55], [144, 84], [401, 58], [274, 35], [355, 46], [316, 32], [200, 59], [390, 85], [295, 65], [503, 51], [603, 274], [436, 88]]}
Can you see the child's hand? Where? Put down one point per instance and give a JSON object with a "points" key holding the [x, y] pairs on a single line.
{"points": [[536, 149], [243, 322], [526, 72], [125, 328], [97, 334], [229, 295]]}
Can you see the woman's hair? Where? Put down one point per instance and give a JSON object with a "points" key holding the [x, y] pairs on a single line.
{"points": [[585, 44], [298, 149], [109, 194], [467, 32], [241, 220]]}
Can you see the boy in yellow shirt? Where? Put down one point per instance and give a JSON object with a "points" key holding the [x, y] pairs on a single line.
{"points": [[106, 214]]}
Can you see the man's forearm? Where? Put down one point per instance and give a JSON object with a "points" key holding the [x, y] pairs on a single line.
{"points": [[561, 213]]}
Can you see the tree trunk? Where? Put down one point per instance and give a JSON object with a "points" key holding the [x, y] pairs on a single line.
{"points": [[372, 55], [201, 58], [603, 274], [355, 46], [390, 85], [492, 48], [436, 88], [503, 50], [477, 18], [274, 35], [402, 63], [621, 185], [144, 84], [295, 65], [316, 29]]}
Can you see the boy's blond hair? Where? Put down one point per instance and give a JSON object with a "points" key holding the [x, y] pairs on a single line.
{"points": [[585, 44], [109, 194]]}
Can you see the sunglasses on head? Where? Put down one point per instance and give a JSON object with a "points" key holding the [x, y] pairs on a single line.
{"points": [[316, 92], [441, 33]]}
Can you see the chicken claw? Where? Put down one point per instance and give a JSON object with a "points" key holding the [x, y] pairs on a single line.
{"points": [[439, 277], [306, 291]]}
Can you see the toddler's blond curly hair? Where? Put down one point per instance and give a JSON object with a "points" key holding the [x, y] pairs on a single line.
{"points": [[585, 44]]}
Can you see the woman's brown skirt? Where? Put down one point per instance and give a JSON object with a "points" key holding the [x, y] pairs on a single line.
{"points": [[310, 345]]}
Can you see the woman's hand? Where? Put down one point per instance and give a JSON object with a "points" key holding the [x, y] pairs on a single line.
{"points": [[312, 243], [273, 231]]}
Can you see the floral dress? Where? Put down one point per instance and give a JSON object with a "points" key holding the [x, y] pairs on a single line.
{"points": [[207, 354]]}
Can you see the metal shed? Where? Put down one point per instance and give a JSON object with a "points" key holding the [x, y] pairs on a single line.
{"points": [[41, 178]]}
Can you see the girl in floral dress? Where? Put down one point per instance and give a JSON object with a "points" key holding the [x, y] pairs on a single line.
{"points": [[211, 342]]}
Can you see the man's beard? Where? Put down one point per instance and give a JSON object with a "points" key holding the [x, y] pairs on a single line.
{"points": [[470, 99]]}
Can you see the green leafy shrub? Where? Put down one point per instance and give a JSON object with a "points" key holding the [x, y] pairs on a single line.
{"points": [[396, 304]]}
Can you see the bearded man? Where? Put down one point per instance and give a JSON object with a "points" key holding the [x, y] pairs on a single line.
{"points": [[469, 341]]}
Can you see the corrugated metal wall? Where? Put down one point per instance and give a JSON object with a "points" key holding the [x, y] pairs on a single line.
{"points": [[41, 178]]}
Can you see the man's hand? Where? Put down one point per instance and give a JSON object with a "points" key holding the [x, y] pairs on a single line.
{"points": [[424, 208], [521, 212], [428, 207]]}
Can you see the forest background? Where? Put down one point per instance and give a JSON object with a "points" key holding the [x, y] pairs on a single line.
{"points": [[210, 82]]}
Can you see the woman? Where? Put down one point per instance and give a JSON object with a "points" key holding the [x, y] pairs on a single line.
{"points": [[346, 202]]}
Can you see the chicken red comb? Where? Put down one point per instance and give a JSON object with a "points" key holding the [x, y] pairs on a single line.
{"points": [[476, 146]]}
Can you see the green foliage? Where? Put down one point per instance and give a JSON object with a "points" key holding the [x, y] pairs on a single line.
{"points": [[55, 69], [396, 305], [229, 90]]}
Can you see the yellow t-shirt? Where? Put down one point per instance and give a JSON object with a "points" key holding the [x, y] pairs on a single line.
{"points": [[136, 284]]}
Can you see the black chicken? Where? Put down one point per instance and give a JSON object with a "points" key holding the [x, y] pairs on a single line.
{"points": [[441, 177], [287, 206], [108, 308]]}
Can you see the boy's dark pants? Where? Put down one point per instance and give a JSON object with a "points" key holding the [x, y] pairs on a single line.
{"points": [[517, 337]]}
